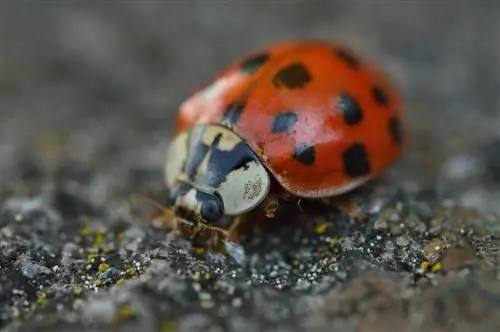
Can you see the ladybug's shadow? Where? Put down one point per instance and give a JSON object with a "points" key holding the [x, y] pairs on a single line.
{"points": [[301, 223]]}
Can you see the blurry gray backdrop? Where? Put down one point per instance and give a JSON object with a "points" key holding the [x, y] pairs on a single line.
{"points": [[101, 82]]}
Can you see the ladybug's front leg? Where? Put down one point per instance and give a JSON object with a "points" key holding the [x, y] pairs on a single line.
{"points": [[211, 236], [232, 232]]}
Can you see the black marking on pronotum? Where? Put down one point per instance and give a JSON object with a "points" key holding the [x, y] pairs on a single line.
{"points": [[395, 131], [216, 140], [196, 155], [221, 162], [233, 112], [198, 151], [253, 63], [380, 96], [350, 109], [293, 76], [284, 122], [179, 190], [347, 57], [355, 160], [305, 154]]}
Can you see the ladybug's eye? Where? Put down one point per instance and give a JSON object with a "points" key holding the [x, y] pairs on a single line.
{"points": [[211, 210]]}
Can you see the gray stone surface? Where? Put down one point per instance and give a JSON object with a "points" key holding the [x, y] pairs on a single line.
{"points": [[88, 95]]}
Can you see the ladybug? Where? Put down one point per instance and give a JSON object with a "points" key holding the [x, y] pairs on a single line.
{"points": [[305, 120]]}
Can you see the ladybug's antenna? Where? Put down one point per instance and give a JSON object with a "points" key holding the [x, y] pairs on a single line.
{"points": [[149, 200], [168, 218]]}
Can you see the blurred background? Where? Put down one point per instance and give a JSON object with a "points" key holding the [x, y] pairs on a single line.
{"points": [[98, 84]]}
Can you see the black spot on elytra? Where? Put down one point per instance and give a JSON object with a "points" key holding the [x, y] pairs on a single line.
{"points": [[232, 114], [380, 96], [305, 154], [251, 64], [395, 131], [283, 122], [350, 109], [347, 57], [292, 76], [355, 160]]}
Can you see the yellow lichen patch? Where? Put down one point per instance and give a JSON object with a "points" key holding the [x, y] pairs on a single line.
{"points": [[78, 291], [42, 299], [425, 265], [321, 228], [86, 231], [169, 326], [91, 257], [125, 312], [321, 225], [103, 267], [199, 250], [99, 239], [131, 272], [109, 249], [436, 267]]}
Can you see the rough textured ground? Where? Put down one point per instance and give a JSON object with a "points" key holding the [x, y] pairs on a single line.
{"points": [[87, 97]]}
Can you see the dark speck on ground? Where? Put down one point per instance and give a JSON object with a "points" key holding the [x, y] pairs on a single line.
{"points": [[88, 95]]}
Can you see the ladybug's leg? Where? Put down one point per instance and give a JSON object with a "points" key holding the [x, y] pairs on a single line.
{"points": [[267, 209], [271, 205], [271, 208], [232, 232], [212, 236]]}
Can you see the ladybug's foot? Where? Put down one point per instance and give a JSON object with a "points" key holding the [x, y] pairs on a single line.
{"points": [[218, 239], [271, 206], [212, 236]]}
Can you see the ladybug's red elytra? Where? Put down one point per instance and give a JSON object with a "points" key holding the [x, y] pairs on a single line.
{"points": [[311, 117]]}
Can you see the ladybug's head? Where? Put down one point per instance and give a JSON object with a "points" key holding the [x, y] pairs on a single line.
{"points": [[211, 173]]}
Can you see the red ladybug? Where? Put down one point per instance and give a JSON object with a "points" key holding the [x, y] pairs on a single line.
{"points": [[312, 116]]}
